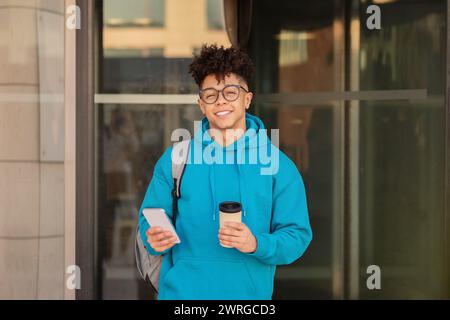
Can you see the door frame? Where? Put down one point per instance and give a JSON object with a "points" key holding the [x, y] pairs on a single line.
{"points": [[446, 222], [85, 245]]}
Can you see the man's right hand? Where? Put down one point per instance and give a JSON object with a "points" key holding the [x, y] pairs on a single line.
{"points": [[159, 239]]}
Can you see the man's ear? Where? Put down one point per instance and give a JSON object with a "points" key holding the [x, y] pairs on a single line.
{"points": [[248, 99]]}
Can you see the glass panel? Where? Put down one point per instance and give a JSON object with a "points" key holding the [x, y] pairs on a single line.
{"points": [[156, 60], [386, 210], [119, 13], [402, 152], [215, 15], [133, 138], [393, 149], [130, 137], [296, 50]]}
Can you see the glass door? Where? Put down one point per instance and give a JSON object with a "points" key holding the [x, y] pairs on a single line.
{"points": [[398, 184], [361, 112], [145, 92], [298, 48]]}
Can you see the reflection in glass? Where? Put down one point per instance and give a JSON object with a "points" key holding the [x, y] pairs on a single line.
{"points": [[141, 13], [296, 52], [146, 49], [298, 47], [215, 15], [385, 208], [402, 152], [133, 139]]}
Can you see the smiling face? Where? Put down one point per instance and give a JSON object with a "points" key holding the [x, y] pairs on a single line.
{"points": [[223, 114]]}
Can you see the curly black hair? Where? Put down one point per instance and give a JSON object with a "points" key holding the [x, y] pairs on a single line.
{"points": [[220, 61]]}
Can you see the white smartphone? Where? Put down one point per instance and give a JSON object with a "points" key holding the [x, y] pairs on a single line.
{"points": [[157, 217]]}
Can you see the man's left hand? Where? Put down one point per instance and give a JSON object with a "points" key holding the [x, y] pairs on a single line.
{"points": [[239, 236]]}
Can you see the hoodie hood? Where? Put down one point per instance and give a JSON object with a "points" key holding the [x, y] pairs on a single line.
{"points": [[254, 137]]}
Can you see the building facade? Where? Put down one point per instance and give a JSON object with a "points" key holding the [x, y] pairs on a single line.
{"points": [[90, 92]]}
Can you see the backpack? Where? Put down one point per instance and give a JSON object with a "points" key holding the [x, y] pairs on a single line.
{"points": [[148, 265]]}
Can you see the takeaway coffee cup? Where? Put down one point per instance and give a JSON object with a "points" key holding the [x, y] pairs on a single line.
{"points": [[229, 211]]}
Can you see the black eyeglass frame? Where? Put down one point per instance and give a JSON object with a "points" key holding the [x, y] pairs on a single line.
{"points": [[221, 92]]}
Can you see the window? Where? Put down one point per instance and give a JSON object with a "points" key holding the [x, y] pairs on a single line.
{"points": [[142, 13], [215, 15]]}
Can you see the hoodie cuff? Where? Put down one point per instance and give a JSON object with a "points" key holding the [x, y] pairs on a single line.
{"points": [[262, 245]]}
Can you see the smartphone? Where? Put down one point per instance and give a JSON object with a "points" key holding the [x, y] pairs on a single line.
{"points": [[157, 217]]}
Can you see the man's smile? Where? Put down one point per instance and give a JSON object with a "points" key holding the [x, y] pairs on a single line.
{"points": [[223, 114]]}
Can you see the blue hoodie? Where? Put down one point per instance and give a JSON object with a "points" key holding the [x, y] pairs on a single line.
{"points": [[274, 209]]}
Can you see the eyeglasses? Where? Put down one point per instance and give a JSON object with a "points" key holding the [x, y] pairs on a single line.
{"points": [[229, 92]]}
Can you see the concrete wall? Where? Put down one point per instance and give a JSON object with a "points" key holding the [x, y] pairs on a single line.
{"points": [[32, 149]]}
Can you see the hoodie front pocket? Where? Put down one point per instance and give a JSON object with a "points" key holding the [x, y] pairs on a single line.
{"points": [[209, 279]]}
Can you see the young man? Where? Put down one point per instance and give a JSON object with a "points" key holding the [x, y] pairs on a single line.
{"points": [[275, 227]]}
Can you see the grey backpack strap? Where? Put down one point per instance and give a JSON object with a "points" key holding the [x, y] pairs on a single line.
{"points": [[180, 156]]}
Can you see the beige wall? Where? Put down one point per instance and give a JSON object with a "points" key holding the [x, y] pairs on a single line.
{"points": [[32, 149]]}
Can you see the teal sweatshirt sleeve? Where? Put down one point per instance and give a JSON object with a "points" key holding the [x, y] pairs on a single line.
{"points": [[158, 195], [290, 228]]}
